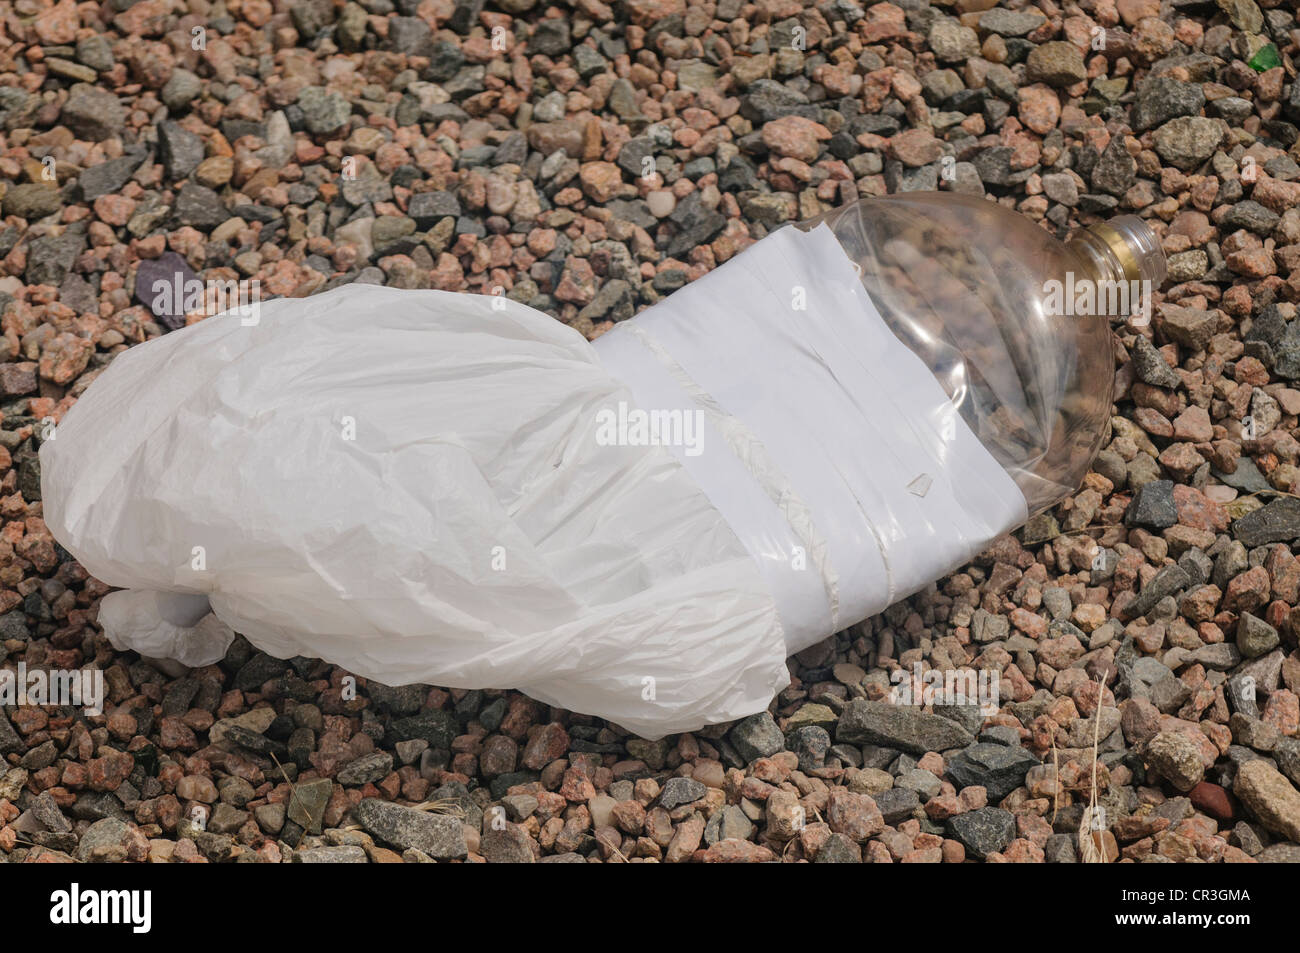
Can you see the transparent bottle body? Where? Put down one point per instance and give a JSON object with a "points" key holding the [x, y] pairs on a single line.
{"points": [[965, 284]]}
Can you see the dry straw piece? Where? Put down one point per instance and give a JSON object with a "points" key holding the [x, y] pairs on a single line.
{"points": [[1090, 849]]}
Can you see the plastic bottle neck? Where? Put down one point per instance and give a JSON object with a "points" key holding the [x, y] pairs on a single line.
{"points": [[1123, 249]]}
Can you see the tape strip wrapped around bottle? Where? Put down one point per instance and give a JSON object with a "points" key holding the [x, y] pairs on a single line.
{"points": [[828, 446], [425, 487]]}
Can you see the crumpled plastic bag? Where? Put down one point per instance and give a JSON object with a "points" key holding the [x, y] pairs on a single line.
{"points": [[407, 484]]}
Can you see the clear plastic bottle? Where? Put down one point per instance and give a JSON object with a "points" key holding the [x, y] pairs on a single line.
{"points": [[966, 284], [428, 491]]}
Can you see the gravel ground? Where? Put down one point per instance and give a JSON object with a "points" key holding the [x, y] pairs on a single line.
{"points": [[462, 146]]}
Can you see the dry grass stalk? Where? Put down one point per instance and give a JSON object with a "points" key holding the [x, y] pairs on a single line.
{"points": [[444, 805], [1090, 850], [1056, 782]]}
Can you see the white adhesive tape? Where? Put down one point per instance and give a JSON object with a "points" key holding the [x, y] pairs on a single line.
{"points": [[828, 447]]}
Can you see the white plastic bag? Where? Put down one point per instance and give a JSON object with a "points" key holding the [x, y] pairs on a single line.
{"points": [[473, 533], [414, 485]]}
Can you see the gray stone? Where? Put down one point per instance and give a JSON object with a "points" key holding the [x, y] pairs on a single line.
{"points": [[1242, 694], [1230, 563], [93, 113], [1251, 216], [756, 737], [622, 99], [1162, 98], [1169, 693], [839, 849], [310, 17], [519, 807], [439, 835], [1167, 582], [1221, 656], [767, 99], [96, 52], [951, 42], [173, 270], [1198, 567], [984, 831], [1057, 63], [1000, 735], [993, 164], [1246, 478], [968, 716], [1270, 797], [368, 768], [1061, 187], [465, 15], [998, 768], [400, 699], [1151, 367], [897, 804], [811, 744], [1116, 170], [1253, 733], [1245, 15], [1188, 141], [429, 208], [368, 186], [350, 31], [1190, 327], [70, 70], [181, 89], [434, 726], [510, 845], [9, 740], [1060, 849], [898, 726], [1255, 637], [409, 35], [990, 628], [1287, 755], [104, 842], [107, 178], [923, 782], [1006, 22], [180, 150], [678, 791], [1188, 265], [199, 206], [51, 257], [32, 200], [1150, 670], [227, 819], [1277, 522], [696, 224], [613, 301], [1176, 758], [730, 823], [46, 810], [393, 234], [307, 804], [330, 855], [550, 38], [323, 111]]}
